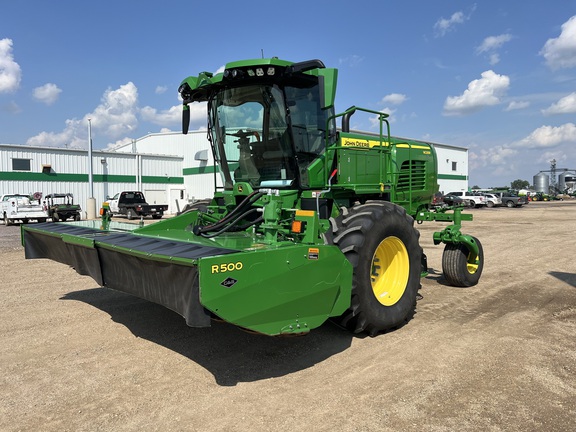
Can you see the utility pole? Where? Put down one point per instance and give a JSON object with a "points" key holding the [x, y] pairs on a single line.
{"points": [[91, 203]]}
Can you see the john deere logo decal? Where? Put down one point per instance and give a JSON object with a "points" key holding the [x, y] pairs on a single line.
{"points": [[228, 282]]}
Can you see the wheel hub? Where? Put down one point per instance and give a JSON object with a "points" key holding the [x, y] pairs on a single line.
{"points": [[390, 271]]}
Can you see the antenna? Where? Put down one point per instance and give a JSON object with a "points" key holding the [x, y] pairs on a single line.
{"points": [[262, 51]]}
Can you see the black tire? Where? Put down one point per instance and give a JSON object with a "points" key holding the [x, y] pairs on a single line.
{"points": [[383, 298], [490, 204], [456, 268], [509, 204], [6, 220], [471, 203], [157, 216], [41, 220], [130, 214], [76, 217]]}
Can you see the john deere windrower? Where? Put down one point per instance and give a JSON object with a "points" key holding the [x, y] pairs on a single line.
{"points": [[312, 222]]}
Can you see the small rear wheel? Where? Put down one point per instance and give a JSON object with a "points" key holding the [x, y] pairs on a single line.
{"points": [[459, 265], [509, 204]]}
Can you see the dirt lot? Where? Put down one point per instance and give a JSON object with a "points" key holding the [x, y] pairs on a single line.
{"points": [[500, 356]]}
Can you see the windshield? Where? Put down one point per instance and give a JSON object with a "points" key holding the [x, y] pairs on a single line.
{"points": [[266, 135]]}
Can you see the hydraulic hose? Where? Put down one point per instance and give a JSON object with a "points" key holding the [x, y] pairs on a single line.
{"points": [[232, 224], [248, 201]]}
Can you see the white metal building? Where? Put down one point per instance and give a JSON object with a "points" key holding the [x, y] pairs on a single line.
{"points": [[26, 170], [198, 169], [452, 168]]}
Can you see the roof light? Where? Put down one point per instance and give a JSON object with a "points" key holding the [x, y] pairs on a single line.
{"points": [[271, 71], [251, 73], [259, 72]]}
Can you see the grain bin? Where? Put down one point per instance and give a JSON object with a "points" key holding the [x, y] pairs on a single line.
{"points": [[541, 182]]}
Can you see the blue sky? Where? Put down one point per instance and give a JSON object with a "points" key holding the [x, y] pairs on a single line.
{"points": [[497, 77]]}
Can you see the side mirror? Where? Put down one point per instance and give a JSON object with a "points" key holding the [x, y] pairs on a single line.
{"points": [[185, 119]]}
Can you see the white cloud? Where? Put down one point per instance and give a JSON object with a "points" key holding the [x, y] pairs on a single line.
{"points": [[494, 59], [548, 136], [375, 120], [517, 105], [114, 117], [10, 72], [161, 89], [170, 116], [48, 93], [120, 143], [560, 52], [394, 98], [116, 114], [173, 116], [566, 105], [483, 92], [492, 43], [444, 25]]}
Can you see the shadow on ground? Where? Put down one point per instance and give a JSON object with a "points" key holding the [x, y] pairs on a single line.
{"points": [[569, 278], [229, 353]]}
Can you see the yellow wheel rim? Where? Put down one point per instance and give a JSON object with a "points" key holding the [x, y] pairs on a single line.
{"points": [[390, 271], [472, 266]]}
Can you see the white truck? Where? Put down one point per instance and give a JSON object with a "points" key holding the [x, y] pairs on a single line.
{"points": [[17, 207], [469, 198], [132, 204]]}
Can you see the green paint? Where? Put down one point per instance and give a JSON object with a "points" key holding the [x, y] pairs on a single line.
{"points": [[452, 177], [98, 178]]}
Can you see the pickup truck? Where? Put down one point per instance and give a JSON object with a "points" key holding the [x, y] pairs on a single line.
{"points": [[472, 200], [133, 204], [17, 207], [510, 199]]}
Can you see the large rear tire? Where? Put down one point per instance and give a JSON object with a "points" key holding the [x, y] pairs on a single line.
{"points": [[460, 268], [130, 214], [379, 240]]}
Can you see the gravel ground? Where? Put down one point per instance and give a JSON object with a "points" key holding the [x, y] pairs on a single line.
{"points": [[500, 356]]}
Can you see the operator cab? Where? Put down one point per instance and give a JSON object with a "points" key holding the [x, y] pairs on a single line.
{"points": [[267, 135], [267, 124]]}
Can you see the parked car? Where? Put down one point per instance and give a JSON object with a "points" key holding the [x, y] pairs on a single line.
{"points": [[493, 200], [439, 200], [510, 199], [469, 198], [453, 200]]}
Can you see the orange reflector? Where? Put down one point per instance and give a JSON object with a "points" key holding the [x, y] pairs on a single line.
{"points": [[101, 211], [296, 226]]}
